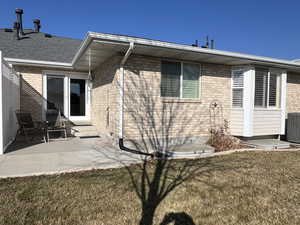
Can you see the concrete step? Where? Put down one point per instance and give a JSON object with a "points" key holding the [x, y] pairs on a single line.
{"points": [[82, 123], [79, 129], [84, 131]]}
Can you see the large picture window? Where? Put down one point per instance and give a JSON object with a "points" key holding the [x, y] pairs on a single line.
{"points": [[180, 80], [267, 88]]}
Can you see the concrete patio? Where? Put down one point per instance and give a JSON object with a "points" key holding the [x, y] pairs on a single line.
{"points": [[74, 154]]}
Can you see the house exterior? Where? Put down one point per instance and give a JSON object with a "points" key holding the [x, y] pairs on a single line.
{"points": [[137, 88]]}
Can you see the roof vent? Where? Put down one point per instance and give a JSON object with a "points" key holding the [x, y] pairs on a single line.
{"points": [[17, 28], [8, 30], [19, 13], [48, 35], [37, 25], [196, 44]]}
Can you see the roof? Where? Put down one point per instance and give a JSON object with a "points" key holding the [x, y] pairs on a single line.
{"points": [[38, 50], [98, 47], [35, 46]]}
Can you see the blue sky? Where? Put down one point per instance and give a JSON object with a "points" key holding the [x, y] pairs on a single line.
{"points": [[267, 28]]}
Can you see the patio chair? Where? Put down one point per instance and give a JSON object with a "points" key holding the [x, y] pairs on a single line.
{"points": [[29, 127], [55, 123]]}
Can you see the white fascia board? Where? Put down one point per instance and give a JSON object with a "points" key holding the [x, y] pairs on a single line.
{"points": [[29, 62], [84, 45], [148, 42]]}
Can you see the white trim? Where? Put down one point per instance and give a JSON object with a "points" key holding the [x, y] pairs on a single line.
{"points": [[154, 43], [67, 76], [66, 73], [248, 102], [83, 46], [17, 61], [182, 62], [283, 100], [232, 87], [1, 107], [44, 109], [87, 97], [121, 40]]}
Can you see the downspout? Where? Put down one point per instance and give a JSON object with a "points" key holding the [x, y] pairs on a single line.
{"points": [[121, 119]]}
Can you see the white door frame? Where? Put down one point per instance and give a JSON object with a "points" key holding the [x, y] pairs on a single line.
{"points": [[67, 76], [87, 98]]}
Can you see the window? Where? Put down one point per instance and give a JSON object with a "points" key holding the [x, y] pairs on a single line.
{"points": [[237, 88], [267, 88], [180, 80]]}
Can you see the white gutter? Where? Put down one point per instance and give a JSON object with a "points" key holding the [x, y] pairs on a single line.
{"points": [[121, 119], [119, 39], [154, 43], [29, 62]]}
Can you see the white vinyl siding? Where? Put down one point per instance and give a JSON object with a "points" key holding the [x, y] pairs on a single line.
{"points": [[180, 80], [267, 88], [237, 88], [266, 122]]}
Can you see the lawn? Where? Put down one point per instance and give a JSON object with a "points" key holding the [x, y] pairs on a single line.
{"points": [[242, 188]]}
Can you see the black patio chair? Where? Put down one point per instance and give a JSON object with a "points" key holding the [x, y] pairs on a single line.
{"points": [[29, 127], [55, 123]]}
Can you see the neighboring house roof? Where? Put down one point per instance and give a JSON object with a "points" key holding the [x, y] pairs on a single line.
{"points": [[36, 46]]}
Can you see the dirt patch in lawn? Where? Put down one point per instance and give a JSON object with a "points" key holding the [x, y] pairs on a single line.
{"points": [[242, 188]]}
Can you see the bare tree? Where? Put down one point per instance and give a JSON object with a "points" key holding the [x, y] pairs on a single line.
{"points": [[158, 127]]}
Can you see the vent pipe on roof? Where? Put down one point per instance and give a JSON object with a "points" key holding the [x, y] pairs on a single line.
{"points": [[212, 44], [17, 28], [37, 25], [207, 42], [196, 44], [19, 13]]}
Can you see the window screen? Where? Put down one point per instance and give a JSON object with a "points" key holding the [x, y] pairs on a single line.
{"points": [[190, 86], [170, 80], [267, 88], [237, 88]]}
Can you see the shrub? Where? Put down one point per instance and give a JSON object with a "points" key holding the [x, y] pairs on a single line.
{"points": [[221, 140]]}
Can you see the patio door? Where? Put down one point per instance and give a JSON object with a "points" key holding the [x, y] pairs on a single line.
{"points": [[55, 93], [68, 93], [78, 99]]}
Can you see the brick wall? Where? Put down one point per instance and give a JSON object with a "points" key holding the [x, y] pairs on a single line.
{"points": [[148, 115], [105, 97], [31, 92], [293, 93]]}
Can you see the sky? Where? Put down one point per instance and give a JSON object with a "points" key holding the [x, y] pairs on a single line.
{"points": [[265, 28]]}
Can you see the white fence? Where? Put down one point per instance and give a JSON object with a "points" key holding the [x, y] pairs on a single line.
{"points": [[9, 103]]}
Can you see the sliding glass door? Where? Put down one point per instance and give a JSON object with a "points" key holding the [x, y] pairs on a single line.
{"points": [[55, 93], [77, 97]]}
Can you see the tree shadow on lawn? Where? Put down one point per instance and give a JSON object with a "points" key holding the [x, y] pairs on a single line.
{"points": [[179, 218], [160, 128]]}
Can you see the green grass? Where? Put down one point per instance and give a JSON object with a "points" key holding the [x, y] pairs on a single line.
{"points": [[245, 188]]}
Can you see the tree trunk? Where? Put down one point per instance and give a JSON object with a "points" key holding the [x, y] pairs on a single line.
{"points": [[147, 215]]}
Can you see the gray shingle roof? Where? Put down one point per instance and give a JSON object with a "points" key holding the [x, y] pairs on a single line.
{"points": [[36, 46]]}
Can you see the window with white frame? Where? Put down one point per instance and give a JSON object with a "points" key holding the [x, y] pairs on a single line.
{"points": [[267, 88], [237, 88], [180, 79]]}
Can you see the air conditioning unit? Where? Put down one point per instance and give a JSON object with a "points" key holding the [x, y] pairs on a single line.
{"points": [[293, 127]]}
